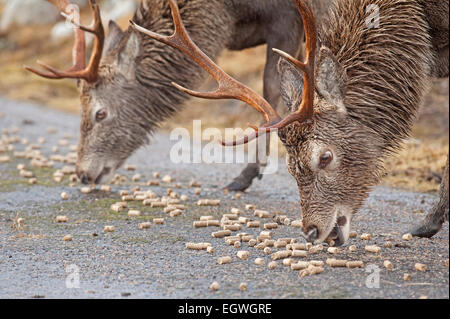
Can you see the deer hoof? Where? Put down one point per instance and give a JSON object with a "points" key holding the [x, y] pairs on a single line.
{"points": [[426, 230], [237, 186]]}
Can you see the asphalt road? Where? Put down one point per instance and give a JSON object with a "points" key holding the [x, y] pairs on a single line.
{"points": [[35, 262]]}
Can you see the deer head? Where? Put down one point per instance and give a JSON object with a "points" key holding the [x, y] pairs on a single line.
{"points": [[111, 129], [327, 152]]}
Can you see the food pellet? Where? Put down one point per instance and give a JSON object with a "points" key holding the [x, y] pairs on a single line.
{"points": [[158, 221], [197, 246], [253, 224], [250, 207], [388, 244], [242, 286], [234, 227], [366, 236], [221, 233], [316, 249], [373, 249], [270, 226], [144, 225], [235, 211], [210, 250], [280, 244], [281, 254], [299, 253], [197, 191], [299, 265], [32, 181], [296, 223], [252, 242], [130, 167], [267, 250], [272, 265], [195, 184], [243, 254], [336, 262], [184, 198], [237, 244], [355, 264], [68, 238], [175, 213], [317, 263], [158, 204], [259, 261], [311, 270], [287, 261], [420, 267], [134, 213], [62, 219], [387, 264], [407, 237], [224, 260], [109, 229], [352, 248], [353, 234], [406, 277], [86, 190], [214, 286], [333, 250], [167, 179], [208, 202], [261, 213]]}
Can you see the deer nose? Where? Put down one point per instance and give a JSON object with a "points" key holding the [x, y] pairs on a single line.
{"points": [[312, 234], [84, 179]]}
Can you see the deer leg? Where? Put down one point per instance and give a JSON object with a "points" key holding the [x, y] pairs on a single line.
{"points": [[434, 220], [272, 95]]}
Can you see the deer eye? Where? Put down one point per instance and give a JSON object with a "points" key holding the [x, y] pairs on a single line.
{"points": [[325, 159], [100, 115]]}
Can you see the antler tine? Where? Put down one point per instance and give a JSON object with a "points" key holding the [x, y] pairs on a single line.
{"points": [[306, 109], [78, 69], [228, 88]]}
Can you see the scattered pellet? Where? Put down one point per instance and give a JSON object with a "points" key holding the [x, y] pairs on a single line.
{"points": [[238, 195], [32, 181], [387, 264], [195, 184], [388, 244], [235, 211], [333, 250], [287, 222], [407, 237], [352, 234], [167, 179], [420, 267], [252, 242], [317, 263], [62, 219], [214, 286], [224, 260], [105, 188], [259, 261], [267, 250], [197, 191], [250, 207], [237, 244], [297, 223], [355, 264], [134, 213], [184, 198], [221, 233], [272, 265], [296, 246], [210, 250], [109, 229], [311, 270], [299, 253], [352, 248], [68, 238], [366, 236], [373, 249], [253, 224], [332, 262], [130, 167], [86, 190], [234, 227], [136, 177], [175, 213], [316, 249], [64, 196], [158, 204], [208, 202], [197, 246], [287, 261], [406, 277], [281, 254], [270, 226], [144, 225], [243, 286], [158, 221], [280, 244], [243, 254], [299, 265], [261, 213]]}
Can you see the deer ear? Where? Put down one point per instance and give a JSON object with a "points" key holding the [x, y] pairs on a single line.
{"points": [[291, 84], [331, 79], [114, 37], [126, 59]]}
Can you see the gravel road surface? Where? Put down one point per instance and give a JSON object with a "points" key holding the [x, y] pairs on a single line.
{"points": [[35, 261]]}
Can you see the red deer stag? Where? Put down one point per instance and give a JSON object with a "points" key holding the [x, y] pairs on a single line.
{"points": [[125, 89], [352, 102]]}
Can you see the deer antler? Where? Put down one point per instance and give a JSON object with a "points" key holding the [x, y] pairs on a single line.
{"points": [[229, 88], [79, 69]]}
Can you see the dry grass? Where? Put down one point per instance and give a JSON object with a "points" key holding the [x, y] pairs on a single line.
{"points": [[418, 166]]}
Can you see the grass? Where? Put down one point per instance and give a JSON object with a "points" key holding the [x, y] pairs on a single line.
{"points": [[418, 166]]}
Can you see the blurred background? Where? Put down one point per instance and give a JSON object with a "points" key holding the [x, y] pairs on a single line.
{"points": [[33, 29]]}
